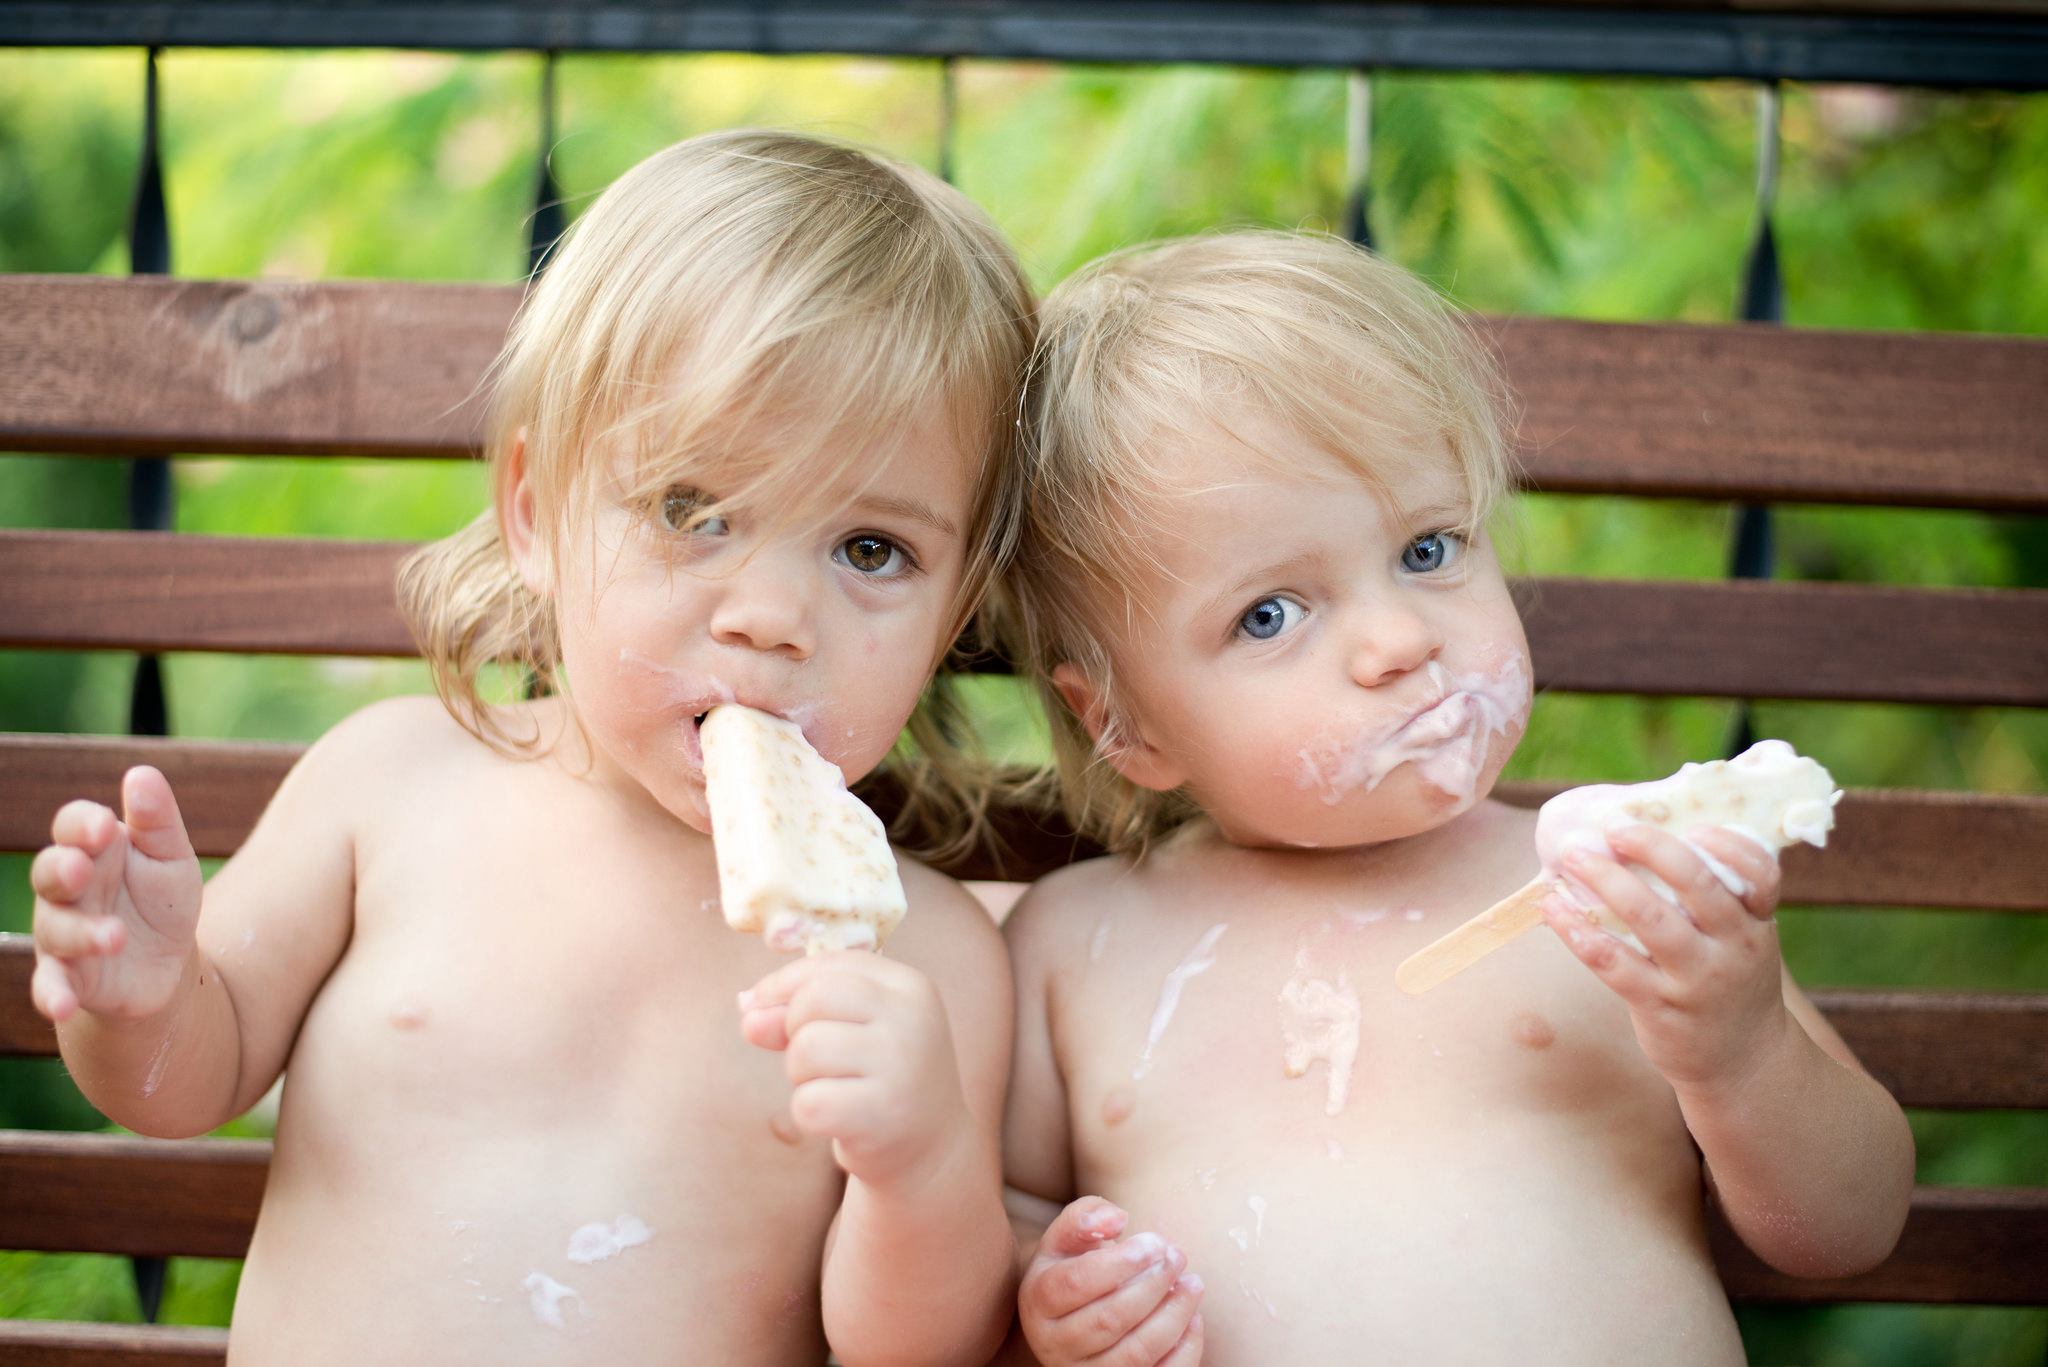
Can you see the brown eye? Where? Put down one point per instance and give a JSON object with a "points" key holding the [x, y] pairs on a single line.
{"points": [[681, 511], [871, 555]]}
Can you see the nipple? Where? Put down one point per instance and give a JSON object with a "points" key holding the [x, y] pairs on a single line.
{"points": [[1118, 1105], [1531, 1031]]}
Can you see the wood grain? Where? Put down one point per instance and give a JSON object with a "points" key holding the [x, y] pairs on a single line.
{"points": [[152, 365], [57, 1343], [127, 366], [1850, 642], [1961, 1246], [107, 1193], [1890, 847]]}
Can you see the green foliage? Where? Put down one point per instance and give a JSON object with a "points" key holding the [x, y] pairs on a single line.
{"points": [[1589, 198]]}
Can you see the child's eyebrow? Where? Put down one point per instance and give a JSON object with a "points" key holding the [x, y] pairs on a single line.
{"points": [[916, 509], [1271, 569]]}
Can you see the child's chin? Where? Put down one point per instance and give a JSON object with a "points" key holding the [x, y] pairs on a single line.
{"points": [[1401, 806]]}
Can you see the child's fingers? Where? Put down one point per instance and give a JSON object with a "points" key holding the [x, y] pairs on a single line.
{"points": [[1081, 1227], [51, 989], [1061, 1287], [835, 1107], [60, 873], [65, 934], [1700, 892], [1188, 1352], [829, 1048], [1164, 1333], [1666, 932], [87, 825], [1631, 976], [155, 825], [1104, 1323], [764, 1027], [1751, 862]]}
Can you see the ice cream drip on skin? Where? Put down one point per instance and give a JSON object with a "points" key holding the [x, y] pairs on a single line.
{"points": [[594, 1243], [547, 1295], [1319, 1020], [160, 1060], [1198, 960], [1447, 741], [1769, 794]]}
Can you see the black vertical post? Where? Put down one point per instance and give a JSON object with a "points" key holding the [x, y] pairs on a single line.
{"points": [[149, 508], [949, 115], [1752, 552], [547, 223], [1358, 157]]}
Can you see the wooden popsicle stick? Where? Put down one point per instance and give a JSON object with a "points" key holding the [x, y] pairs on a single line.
{"points": [[1477, 938]]}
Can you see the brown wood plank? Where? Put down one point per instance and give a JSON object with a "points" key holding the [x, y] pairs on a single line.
{"points": [[23, 1033], [1851, 642], [1772, 414], [1961, 1246], [151, 591], [157, 365], [98, 364], [57, 1343], [1947, 1050], [1749, 639], [108, 1193]]}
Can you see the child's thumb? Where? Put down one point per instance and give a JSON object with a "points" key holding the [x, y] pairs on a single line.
{"points": [[1086, 1224], [155, 827]]}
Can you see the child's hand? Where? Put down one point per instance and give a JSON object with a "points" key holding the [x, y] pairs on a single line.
{"points": [[117, 900], [1086, 1298], [869, 1054], [1710, 996]]}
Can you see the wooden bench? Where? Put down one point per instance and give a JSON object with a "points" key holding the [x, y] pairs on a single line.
{"points": [[1742, 413]]}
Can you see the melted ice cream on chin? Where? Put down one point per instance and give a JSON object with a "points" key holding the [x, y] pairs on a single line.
{"points": [[1446, 742]]}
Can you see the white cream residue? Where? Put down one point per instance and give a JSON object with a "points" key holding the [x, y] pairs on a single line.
{"points": [[547, 1295], [593, 1243], [1267, 1305], [1099, 941], [1359, 920], [1205, 1178], [1447, 741], [1241, 1237], [1320, 1021], [1258, 1208], [1198, 960], [159, 1061]]}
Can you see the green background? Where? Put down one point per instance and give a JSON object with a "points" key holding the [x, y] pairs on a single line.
{"points": [[1609, 199]]}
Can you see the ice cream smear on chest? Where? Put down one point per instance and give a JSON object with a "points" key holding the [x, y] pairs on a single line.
{"points": [[801, 861], [1769, 794]]}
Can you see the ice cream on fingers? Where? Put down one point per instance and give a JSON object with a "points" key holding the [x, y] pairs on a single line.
{"points": [[800, 860], [1768, 793]]}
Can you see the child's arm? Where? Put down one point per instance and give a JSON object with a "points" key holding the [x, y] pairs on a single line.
{"points": [[1809, 1157], [176, 1005], [1084, 1295], [906, 1077]]}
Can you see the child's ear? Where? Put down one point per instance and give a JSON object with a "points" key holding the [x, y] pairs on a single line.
{"points": [[517, 520], [1123, 747]]}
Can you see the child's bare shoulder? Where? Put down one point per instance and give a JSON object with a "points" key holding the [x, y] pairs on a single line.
{"points": [[1054, 919]]}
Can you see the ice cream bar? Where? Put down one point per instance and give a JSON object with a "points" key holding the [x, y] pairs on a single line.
{"points": [[1768, 793], [800, 859]]}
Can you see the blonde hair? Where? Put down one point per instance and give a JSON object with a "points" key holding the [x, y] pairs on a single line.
{"points": [[735, 282], [1353, 355]]}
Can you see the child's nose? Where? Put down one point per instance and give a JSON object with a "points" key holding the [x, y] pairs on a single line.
{"points": [[766, 606], [1393, 639]]}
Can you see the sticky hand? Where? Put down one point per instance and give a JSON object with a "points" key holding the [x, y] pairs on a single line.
{"points": [[1707, 997], [117, 901], [869, 1054], [1089, 1296]]}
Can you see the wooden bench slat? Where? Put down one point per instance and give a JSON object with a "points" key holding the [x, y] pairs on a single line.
{"points": [[59, 1343], [163, 366], [1940, 1050], [1849, 642], [107, 1193], [119, 1194], [1890, 847], [1961, 1246]]}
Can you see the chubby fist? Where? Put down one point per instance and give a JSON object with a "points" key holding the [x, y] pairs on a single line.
{"points": [[117, 900], [869, 1054], [1089, 1297]]}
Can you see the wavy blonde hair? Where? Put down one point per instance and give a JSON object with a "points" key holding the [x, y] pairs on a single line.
{"points": [[741, 281], [1173, 340]]}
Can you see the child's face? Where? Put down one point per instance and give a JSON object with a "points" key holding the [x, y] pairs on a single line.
{"points": [[1317, 664], [832, 621]]}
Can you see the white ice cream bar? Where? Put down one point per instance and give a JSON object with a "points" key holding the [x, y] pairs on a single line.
{"points": [[1768, 793], [800, 860]]}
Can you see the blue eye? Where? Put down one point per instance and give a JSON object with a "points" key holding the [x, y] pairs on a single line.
{"points": [[1269, 617], [1434, 551]]}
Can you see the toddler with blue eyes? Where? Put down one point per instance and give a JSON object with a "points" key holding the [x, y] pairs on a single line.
{"points": [[1284, 671]]}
